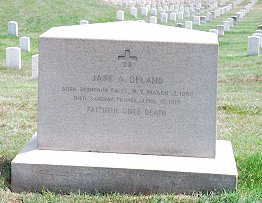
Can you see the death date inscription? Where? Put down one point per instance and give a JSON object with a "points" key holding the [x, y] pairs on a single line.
{"points": [[137, 90]]}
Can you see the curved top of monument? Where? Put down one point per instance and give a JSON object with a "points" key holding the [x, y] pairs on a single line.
{"points": [[131, 31]]}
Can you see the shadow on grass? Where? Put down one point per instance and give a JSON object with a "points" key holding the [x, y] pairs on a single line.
{"points": [[5, 172]]}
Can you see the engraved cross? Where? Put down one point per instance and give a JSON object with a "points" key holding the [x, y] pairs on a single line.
{"points": [[127, 59]]}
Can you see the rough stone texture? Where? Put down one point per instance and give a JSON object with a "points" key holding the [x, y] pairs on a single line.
{"points": [[24, 43], [65, 171], [163, 102], [253, 45], [120, 15], [12, 28], [35, 66], [13, 57]]}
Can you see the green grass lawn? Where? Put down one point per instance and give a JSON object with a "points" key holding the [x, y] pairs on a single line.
{"points": [[239, 110]]}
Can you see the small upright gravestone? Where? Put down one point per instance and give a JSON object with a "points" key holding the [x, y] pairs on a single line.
{"points": [[83, 22], [24, 43], [135, 116], [253, 45], [203, 20], [260, 36], [133, 12], [196, 20], [163, 17], [226, 24], [154, 12], [153, 19], [12, 28], [172, 16], [144, 11], [120, 15], [180, 16], [188, 24], [35, 66], [13, 57], [220, 29]]}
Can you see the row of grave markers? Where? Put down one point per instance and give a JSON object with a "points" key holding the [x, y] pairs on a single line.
{"points": [[174, 15], [229, 22], [255, 41], [13, 54]]}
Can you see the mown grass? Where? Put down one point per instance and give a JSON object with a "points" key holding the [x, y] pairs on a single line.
{"points": [[239, 115]]}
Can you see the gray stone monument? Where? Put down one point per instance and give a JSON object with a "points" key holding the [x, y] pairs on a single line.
{"points": [[127, 107]]}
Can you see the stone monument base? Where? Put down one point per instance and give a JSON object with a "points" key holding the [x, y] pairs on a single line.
{"points": [[65, 171]]}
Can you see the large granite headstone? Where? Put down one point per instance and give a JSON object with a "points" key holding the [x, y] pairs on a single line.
{"points": [[124, 110]]}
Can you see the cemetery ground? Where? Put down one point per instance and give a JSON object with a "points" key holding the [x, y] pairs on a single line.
{"points": [[239, 102]]}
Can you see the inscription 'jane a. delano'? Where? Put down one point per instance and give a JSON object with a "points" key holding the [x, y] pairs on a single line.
{"points": [[133, 79]]}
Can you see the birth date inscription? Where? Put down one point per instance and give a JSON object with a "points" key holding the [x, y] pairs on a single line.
{"points": [[154, 93]]}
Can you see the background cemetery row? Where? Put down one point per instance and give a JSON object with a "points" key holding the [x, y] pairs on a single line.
{"points": [[239, 93], [188, 14]]}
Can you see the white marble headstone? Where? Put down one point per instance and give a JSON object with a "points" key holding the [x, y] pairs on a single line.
{"points": [[24, 43], [13, 57], [12, 28], [35, 66], [253, 45], [188, 24], [153, 19], [133, 12], [83, 22]]}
